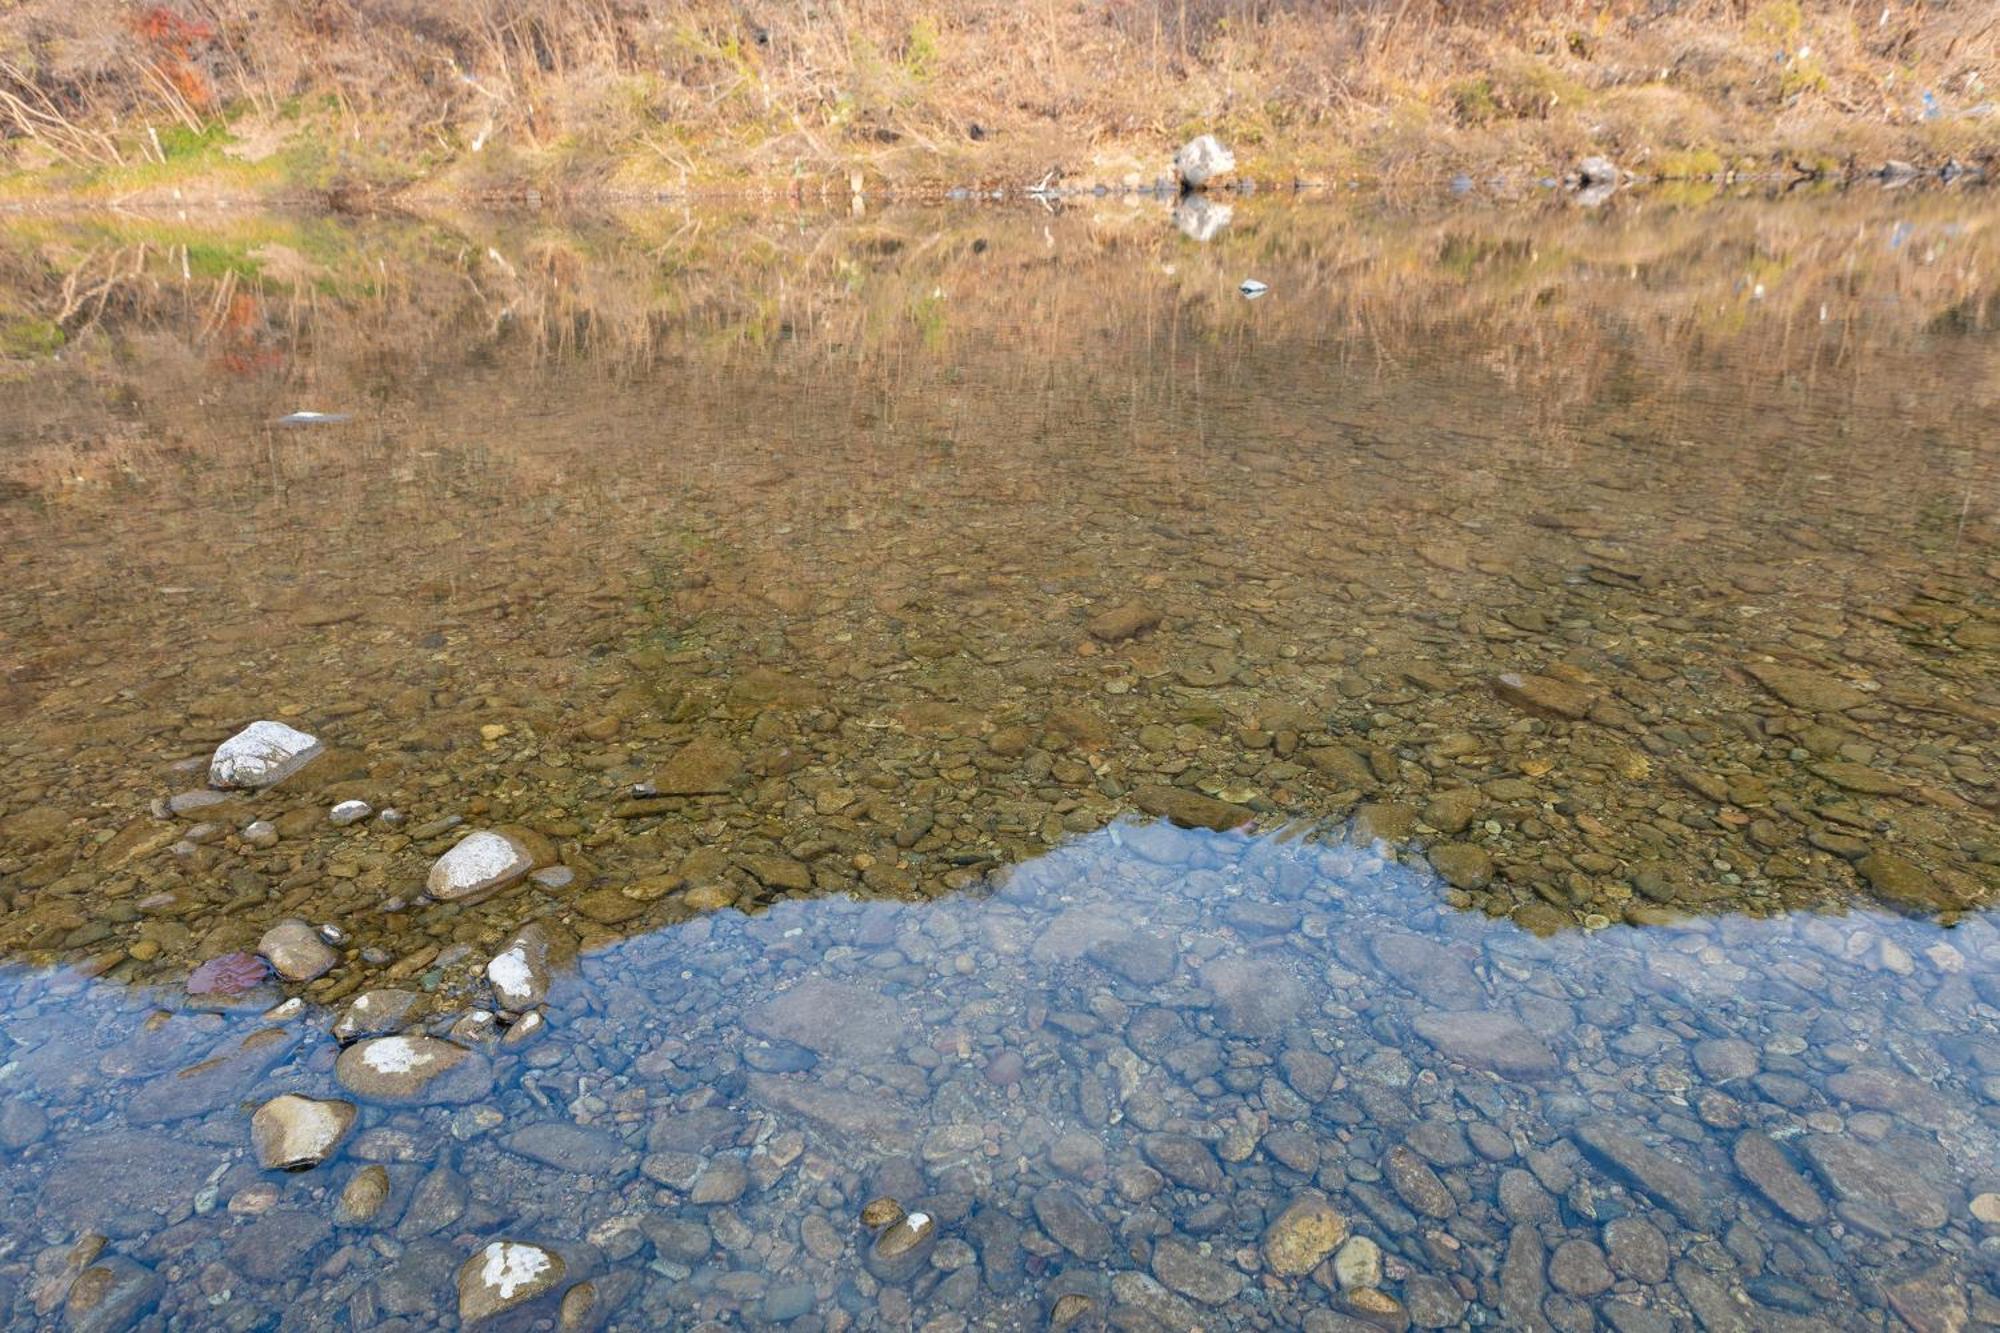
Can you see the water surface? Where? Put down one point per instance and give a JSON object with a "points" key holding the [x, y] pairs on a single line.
{"points": [[1456, 793]]}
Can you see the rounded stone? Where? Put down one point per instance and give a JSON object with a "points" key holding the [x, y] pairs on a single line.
{"points": [[296, 952], [1302, 1236], [413, 1071], [292, 1133], [505, 1275], [904, 1248], [482, 862]]}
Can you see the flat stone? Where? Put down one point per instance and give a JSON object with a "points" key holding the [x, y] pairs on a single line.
{"points": [[868, 1118], [363, 1196], [1185, 1160], [218, 1082], [581, 1149], [705, 766], [1661, 1178], [1190, 809], [292, 1133], [504, 1275], [1859, 778], [1257, 997], [1122, 622], [124, 1182], [1764, 1164], [1428, 968], [1545, 695], [296, 952], [1183, 1268], [1637, 1249], [261, 755], [413, 1070], [482, 862], [1486, 1039], [1462, 864], [1143, 957], [1859, 1174], [833, 1018], [1452, 811], [1901, 882], [1809, 691], [1300, 1238], [1577, 1268], [377, 1013], [1071, 1223], [110, 1296], [1417, 1185], [1725, 1059]]}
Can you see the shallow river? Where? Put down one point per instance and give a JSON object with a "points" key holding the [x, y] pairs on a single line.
{"points": [[949, 770]]}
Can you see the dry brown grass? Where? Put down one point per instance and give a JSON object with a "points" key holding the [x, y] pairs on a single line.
{"points": [[494, 93]]}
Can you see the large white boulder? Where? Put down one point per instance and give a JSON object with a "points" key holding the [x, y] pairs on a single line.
{"points": [[1202, 160], [260, 755]]}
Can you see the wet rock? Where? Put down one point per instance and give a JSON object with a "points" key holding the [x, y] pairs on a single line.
{"points": [[362, 1198], [1545, 695], [110, 1296], [1902, 882], [1806, 690], [523, 970], [1431, 1301], [876, 1117], [1452, 811], [1357, 1265], [833, 1019], [1182, 1267], [412, 1071], [296, 952], [1300, 1238], [291, 1132], [1185, 1160], [261, 755], [481, 863], [228, 975], [124, 1182], [1725, 1059], [21, 1123], [580, 1149], [349, 812], [1463, 865], [1636, 1249], [1201, 161], [1122, 622], [722, 1180], [504, 1275], [1664, 1180], [1190, 809], [276, 1244], [1764, 1164], [1418, 1185], [1071, 1223], [705, 766], [1143, 957], [220, 1081], [377, 1013], [1933, 1301], [1258, 998], [1486, 1039], [903, 1248], [1859, 1174], [1577, 1268]]}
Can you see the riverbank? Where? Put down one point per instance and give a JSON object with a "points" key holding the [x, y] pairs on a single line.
{"points": [[545, 100]]}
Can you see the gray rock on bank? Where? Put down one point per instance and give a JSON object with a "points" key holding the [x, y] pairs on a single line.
{"points": [[1201, 161]]}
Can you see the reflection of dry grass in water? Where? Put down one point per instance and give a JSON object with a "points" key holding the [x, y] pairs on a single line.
{"points": [[1564, 311], [491, 94]]}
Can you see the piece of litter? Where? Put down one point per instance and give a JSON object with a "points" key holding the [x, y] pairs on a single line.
{"points": [[312, 418], [1253, 288]]}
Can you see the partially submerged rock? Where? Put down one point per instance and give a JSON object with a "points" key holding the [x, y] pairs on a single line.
{"points": [[482, 862], [296, 952], [292, 1133], [523, 970], [413, 1071], [504, 1275], [261, 755]]}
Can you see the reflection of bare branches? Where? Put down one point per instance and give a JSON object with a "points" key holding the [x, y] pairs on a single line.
{"points": [[38, 118], [82, 289]]}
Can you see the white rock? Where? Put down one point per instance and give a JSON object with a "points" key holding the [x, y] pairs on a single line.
{"points": [[523, 970], [261, 833], [481, 863], [261, 754], [292, 1132], [1253, 288], [413, 1070], [1202, 160], [349, 812]]}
